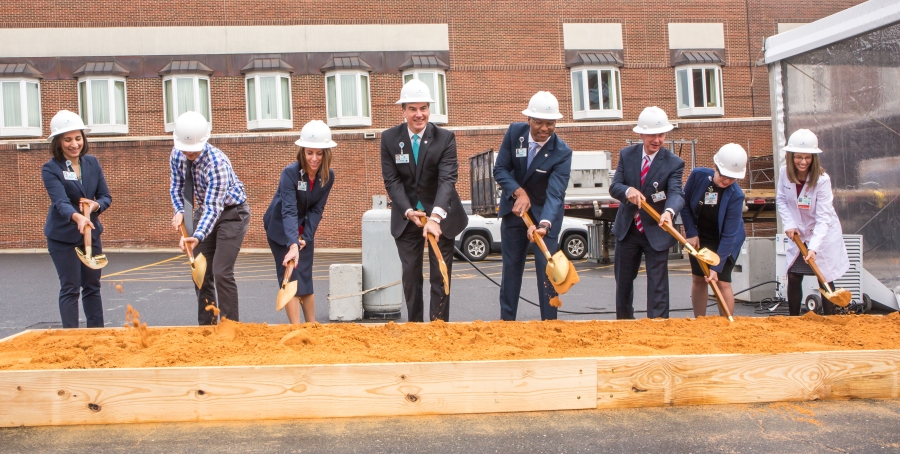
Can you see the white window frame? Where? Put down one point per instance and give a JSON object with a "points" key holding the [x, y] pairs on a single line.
{"points": [[615, 110], [701, 111], [440, 105], [22, 131], [270, 123], [170, 126], [87, 117], [343, 120]]}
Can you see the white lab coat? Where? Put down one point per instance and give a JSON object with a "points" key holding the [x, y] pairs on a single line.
{"points": [[819, 225]]}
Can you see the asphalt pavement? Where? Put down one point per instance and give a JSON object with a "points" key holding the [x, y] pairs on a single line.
{"points": [[159, 286]]}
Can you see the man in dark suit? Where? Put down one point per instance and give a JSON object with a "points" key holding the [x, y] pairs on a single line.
{"points": [[646, 171], [532, 169], [419, 166]]}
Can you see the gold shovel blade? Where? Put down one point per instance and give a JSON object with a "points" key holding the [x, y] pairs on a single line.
{"points": [[840, 297], [93, 262], [198, 270], [285, 294], [561, 273], [707, 256]]}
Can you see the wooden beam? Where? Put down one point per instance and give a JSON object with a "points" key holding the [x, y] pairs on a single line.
{"points": [[738, 379], [108, 396]]}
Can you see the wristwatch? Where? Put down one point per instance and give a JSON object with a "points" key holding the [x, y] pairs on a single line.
{"points": [[436, 219], [544, 225]]}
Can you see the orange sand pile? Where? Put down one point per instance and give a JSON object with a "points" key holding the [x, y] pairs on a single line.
{"points": [[261, 344]]}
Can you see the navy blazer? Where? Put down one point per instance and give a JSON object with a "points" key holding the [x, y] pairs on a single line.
{"points": [[545, 181], [666, 171], [731, 221], [291, 207], [65, 195]]}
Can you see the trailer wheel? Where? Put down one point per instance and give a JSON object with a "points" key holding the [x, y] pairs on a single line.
{"points": [[475, 247], [813, 304], [575, 246], [867, 303]]}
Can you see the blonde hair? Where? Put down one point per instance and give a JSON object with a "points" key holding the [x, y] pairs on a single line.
{"points": [[324, 169], [812, 175]]}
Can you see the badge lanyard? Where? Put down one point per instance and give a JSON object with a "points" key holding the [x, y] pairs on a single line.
{"points": [[70, 173], [401, 158], [521, 152], [301, 185], [804, 203]]}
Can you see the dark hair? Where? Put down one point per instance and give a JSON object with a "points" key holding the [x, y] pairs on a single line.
{"points": [[324, 169], [815, 169], [56, 146]]}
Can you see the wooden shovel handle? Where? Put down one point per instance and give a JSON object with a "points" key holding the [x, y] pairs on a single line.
{"points": [[715, 288], [812, 262], [86, 211], [432, 240], [287, 273], [187, 247], [537, 238], [666, 226]]}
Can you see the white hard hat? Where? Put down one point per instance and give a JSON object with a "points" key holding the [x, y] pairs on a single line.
{"points": [[653, 120], [315, 134], [191, 132], [731, 160], [415, 91], [543, 105], [803, 141], [65, 121]]}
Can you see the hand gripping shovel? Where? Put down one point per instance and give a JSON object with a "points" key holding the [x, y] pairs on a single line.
{"points": [[198, 264], [560, 271], [94, 262], [437, 251], [839, 297], [704, 257], [288, 288]]}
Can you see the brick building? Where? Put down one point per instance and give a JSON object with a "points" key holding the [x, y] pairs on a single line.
{"points": [[260, 70]]}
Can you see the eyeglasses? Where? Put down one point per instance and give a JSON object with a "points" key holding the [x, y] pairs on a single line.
{"points": [[803, 158]]}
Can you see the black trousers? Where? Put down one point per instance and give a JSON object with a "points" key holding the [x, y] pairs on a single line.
{"points": [[795, 294], [221, 248], [409, 246], [76, 279], [628, 263], [514, 251]]}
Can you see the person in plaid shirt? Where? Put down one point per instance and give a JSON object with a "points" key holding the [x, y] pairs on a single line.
{"points": [[203, 176]]}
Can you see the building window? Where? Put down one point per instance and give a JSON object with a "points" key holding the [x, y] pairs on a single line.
{"points": [[596, 93], [436, 80], [102, 103], [699, 90], [347, 98], [20, 115], [269, 101], [185, 93]]}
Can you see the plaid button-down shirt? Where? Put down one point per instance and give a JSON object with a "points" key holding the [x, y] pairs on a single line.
{"points": [[215, 186]]}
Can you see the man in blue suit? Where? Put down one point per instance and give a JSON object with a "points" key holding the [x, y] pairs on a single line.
{"points": [[646, 171], [532, 169]]}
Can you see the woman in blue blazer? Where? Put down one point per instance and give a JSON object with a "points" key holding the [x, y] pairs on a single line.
{"points": [[294, 214], [713, 203], [72, 178]]}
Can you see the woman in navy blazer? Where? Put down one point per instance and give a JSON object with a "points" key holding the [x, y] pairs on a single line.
{"points": [[713, 203], [294, 214], [72, 178]]}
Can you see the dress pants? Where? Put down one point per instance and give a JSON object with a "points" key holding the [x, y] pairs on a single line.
{"points": [[76, 279], [221, 248], [409, 246], [628, 263], [514, 251]]}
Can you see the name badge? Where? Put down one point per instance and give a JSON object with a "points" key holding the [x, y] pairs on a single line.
{"points": [[711, 198], [70, 175], [803, 203], [521, 152], [658, 196], [401, 158], [301, 185]]}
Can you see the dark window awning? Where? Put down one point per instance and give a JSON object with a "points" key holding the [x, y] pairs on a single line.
{"points": [[100, 68], [698, 57], [338, 63], [592, 58], [185, 67], [430, 60], [267, 64], [19, 70]]}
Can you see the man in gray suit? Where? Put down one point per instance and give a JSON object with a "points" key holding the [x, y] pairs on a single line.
{"points": [[419, 167], [646, 171]]}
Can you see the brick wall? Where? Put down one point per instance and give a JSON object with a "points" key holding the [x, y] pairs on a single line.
{"points": [[501, 52]]}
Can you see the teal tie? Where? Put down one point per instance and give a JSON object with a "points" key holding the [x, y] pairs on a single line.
{"points": [[416, 157]]}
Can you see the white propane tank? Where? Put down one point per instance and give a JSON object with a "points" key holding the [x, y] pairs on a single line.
{"points": [[381, 263]]}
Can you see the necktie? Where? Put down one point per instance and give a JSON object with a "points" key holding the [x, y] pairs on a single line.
{"points": [[415, 147], [532, 152], [189, 182], [645, 167]]}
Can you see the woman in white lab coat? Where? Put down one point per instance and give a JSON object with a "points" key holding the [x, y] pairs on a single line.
{"points": [[804, 201]]}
